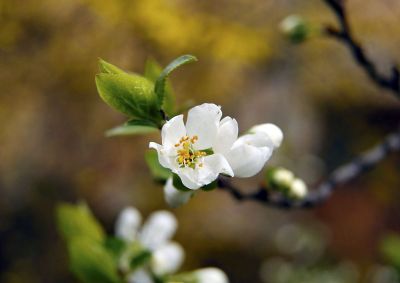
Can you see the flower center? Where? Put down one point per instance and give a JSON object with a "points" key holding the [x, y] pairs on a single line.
{"points": [[187, 156]]}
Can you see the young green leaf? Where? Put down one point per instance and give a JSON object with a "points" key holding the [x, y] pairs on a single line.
{"points": [[130, 94], [133, 127], [152, 71], [159, 87], [159, 173], [91, 262], [76, 221], [108, 68]]}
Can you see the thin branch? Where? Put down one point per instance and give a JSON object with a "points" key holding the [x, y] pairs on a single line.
{"points": [[342, 175], [358, 166], [344, 34]]}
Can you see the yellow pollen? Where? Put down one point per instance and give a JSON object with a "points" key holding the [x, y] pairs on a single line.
{"points": [[187, 156]]}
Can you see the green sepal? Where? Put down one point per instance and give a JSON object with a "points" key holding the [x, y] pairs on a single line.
{"points": [[187, 277], [140, 259], [91, 262], [152, 71], [75, 221], [133, 127], [115, 246], [177, 182], [159, 87], [130, 94], [108, 68], [210, 187], [159, 172]]}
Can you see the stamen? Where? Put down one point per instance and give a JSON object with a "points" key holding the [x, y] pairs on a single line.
{"points": [[187, 156]]}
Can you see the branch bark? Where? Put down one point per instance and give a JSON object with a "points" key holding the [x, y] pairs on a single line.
{"points": [[344, 34]]}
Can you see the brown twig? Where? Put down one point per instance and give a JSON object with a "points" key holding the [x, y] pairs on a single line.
{"points": [[344, 34]]}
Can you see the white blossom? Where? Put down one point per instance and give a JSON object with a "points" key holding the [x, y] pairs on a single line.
{"points": [[175, 197], [155, 236], [192, 151], [273, 132], [208, 146], [211, 275]]}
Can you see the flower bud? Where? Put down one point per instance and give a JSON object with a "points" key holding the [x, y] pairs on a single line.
{"points": [[283, 177], [175, 197], [167, 259], [128, 223], [211, 275], [295, 28], [298, 189], [279, 178], [158, 229], [273, 132]]}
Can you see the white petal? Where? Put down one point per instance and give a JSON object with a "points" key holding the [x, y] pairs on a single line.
{"points": [[167, 259], [172, 131], [272, 131], [140, 276], [227, 135], [203, 121], [163, 156], [175, 197], [128, 223], [211, 275], [213, 165], [258, 140], [189, 178], [249, 155], [158, 229]]}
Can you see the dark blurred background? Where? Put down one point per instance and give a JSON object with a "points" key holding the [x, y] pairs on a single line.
{"points": [[52, 123]]}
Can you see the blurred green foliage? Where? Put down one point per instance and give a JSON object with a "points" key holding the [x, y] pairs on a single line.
{"points": [[90, 261]]}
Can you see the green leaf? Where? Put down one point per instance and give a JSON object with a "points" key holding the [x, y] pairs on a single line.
{"points": [[152, 72], [390, 247], [159, 173], [76, 221], [159, 88], [108, 68], [91, 262], [130, 94], [133, 127]]}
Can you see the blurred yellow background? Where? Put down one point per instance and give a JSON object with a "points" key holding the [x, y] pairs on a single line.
{"points": [[52, 123]]}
